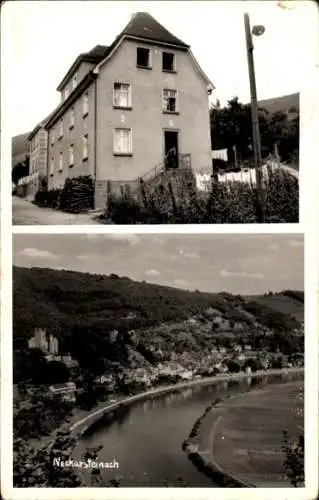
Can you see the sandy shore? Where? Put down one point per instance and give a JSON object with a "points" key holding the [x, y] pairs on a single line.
{"points": [[239, 441]]}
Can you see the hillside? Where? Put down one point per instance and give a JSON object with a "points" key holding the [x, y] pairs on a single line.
{"points": [[63, 299], [83, 311], [287, 302], [289, 103], [20, 147]]}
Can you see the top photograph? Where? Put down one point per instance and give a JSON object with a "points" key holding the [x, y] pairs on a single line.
{"points": [[185, 114]]}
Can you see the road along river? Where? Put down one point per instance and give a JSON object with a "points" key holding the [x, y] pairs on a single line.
{"points": [[146, 436]]}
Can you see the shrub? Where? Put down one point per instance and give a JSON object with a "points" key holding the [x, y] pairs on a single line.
{"points": [[294, 451], [76, 196], [179, 202]]}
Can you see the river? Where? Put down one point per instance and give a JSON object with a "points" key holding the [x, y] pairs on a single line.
{"points": [[146, 438]]}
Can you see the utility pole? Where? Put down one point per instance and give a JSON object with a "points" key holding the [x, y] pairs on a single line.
{"points": [[254, 116], [235, 156]]}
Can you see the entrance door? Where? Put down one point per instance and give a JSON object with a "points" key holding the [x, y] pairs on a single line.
{"points": [[171, 149]]}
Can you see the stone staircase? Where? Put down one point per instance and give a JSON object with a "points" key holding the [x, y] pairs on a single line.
{"points": [[162, 171]]}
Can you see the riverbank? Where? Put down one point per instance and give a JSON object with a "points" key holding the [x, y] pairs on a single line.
{"points": [[81, 420], [81, 426], [241, 453]]}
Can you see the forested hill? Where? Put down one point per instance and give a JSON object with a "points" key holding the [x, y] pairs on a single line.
{"points": [[62, 301]]}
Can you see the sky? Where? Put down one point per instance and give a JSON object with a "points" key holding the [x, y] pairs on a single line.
{"points": [[41, 40], [236, 263]]}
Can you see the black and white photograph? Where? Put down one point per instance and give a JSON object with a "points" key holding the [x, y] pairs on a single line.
{"points": [[139, 115], [158, 361], [159, 249]]}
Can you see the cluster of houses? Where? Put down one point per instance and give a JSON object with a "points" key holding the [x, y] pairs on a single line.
{"points": [[124, 109], [171, 364]]}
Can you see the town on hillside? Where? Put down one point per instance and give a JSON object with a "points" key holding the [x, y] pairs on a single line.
{"points": [[157, 355], [135, 138], [223, 356]]}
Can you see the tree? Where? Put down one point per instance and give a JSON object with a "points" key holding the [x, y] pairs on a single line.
{"points": [[20, 170], [231, 126], [57, 372], [254, 364], [233, 366], [277, 362]]}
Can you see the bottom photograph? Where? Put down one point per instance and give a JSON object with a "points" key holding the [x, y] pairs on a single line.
{"points": [[158, 360]]}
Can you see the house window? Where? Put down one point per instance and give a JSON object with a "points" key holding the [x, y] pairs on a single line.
{"points": [[66, 93], [122, 141], [85, 104], [168, 61], [71, 155], [61, 129], [52, 137], [122, 95], [85, 147], [74, 81], [143, 57], [52, 166], [60, 163], [72, 118], [169, 101]]}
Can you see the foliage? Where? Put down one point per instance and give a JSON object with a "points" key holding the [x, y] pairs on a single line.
{"points": [[226, 203], [231, 126], [40, 417], [295, 294], [77, 195], [233, 366], [35, 468], [21, 170], [31, 364], [254, 364], [271, 318], [48, 199], [84, 310], [294, 452]]}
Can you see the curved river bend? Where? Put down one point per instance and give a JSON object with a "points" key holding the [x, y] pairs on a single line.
{"points": [[146, 439]]}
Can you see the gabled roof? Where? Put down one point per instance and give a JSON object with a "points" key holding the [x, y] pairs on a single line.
{"points": [[143, 25], [63, 106], [40, 125], [94, 56]]}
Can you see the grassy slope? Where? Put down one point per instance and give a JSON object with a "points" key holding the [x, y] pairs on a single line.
{"points": [[283, 103], [62, 299], [283, 304]]}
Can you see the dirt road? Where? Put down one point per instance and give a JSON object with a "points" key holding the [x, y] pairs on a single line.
{"points": [[26, 213]]}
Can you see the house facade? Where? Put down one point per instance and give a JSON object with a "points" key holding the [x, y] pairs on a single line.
{"points": [[129, 107], [66, 391], [38, 150]]}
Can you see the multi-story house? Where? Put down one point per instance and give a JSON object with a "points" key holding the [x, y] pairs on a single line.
{"points": [[38, 152], [141, 102], [66, 391]]}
